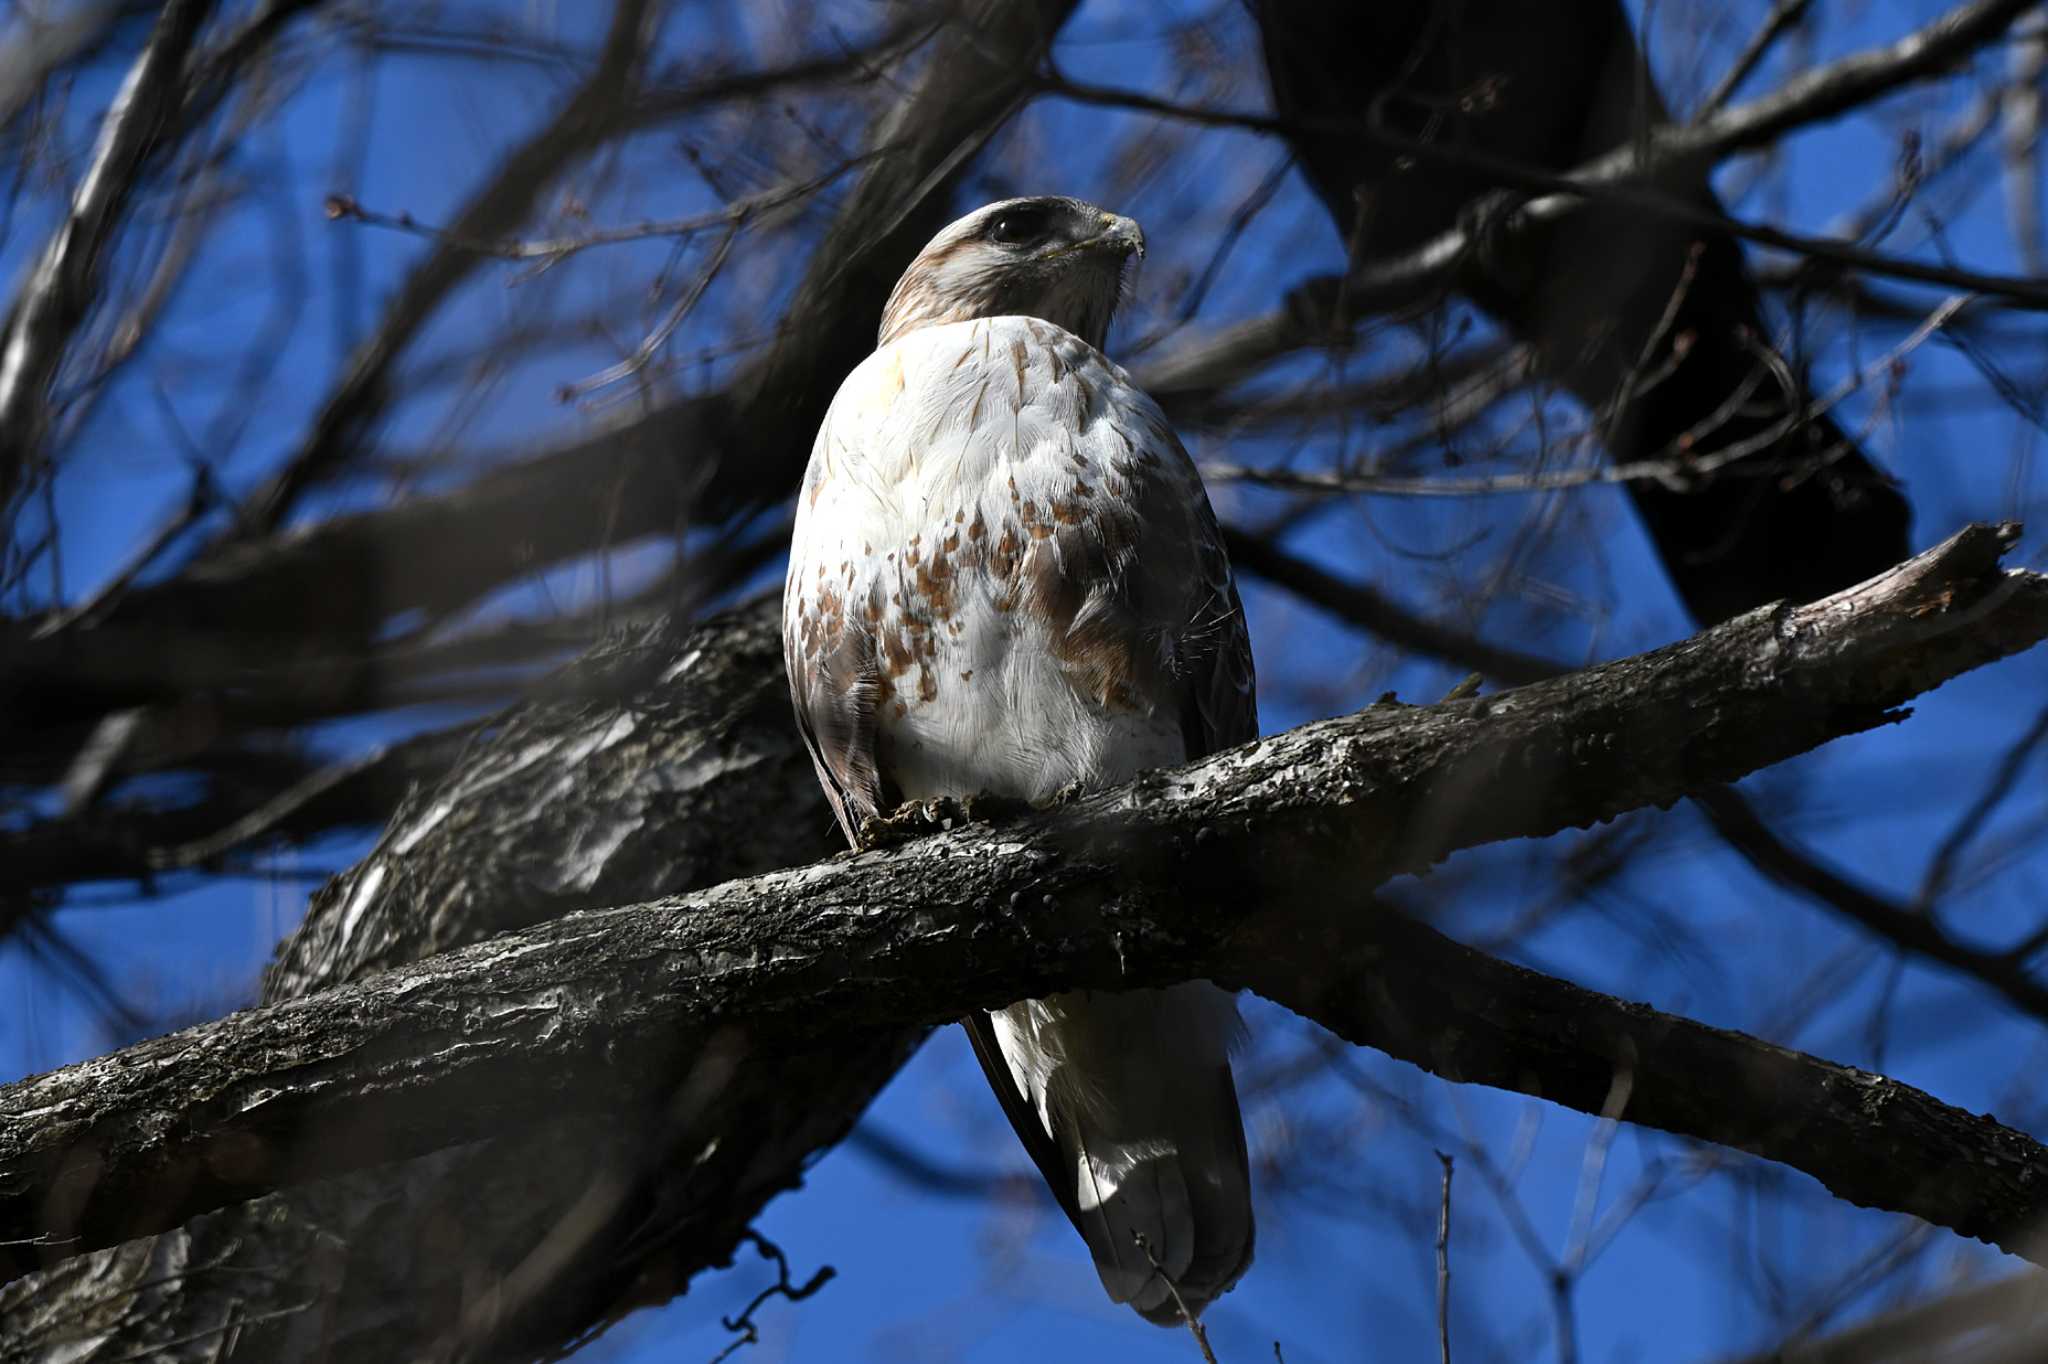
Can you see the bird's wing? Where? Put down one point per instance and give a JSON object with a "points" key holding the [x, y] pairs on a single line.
{"points": [[835, 678]]}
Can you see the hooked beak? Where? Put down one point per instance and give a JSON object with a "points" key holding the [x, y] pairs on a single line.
{"points": [[1119, 234]]}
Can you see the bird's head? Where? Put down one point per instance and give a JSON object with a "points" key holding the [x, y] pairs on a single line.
{"points": [[1047, 257]]}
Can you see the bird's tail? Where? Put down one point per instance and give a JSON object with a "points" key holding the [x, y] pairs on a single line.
{"points": [[1127, 1103]]}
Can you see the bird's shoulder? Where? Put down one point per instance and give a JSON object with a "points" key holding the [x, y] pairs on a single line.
{"points": [[1014, 362]]}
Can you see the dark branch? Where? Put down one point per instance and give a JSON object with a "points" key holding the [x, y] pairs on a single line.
{"points": [[63, 286], [1253, 868]]}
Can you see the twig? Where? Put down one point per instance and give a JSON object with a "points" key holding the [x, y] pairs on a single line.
{"points": [[1593, 1169], [1942, 866], [551, 251], [60, 292], [651, 345], [1672, 467], [200, 498], [1443, 1266], [1745, 831], [594, 113], [1782, 18], [750, 1334], [1368, 609], [1620, 176], [1173, 1291]]}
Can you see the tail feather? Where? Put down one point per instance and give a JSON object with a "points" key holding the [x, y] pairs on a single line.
{"points": [[1127, 1104]]}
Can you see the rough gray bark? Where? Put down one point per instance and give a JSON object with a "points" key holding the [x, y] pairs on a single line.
{"points": [[673, 764], [1253, 867]]}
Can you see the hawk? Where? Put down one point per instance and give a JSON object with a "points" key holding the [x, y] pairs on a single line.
{"points": [[1006, 578]]}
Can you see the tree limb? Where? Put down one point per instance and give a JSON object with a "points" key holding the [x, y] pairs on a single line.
{"points": [[60, 291], [1145, 884]]}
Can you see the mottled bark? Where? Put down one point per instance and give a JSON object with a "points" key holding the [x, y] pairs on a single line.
{"points": [[1253, 867]]}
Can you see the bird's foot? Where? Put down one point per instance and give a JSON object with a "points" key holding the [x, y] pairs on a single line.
{"points": [[915, 819]]}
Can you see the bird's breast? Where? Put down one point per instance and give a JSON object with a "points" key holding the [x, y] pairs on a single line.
{"points": [[973, 524]]}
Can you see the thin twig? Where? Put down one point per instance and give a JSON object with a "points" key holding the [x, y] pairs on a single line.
{"points": [[1781, 19], [61, 290], [749, 1333], [1621, 175], [656, 339], [1173, 1291], [551, 251], [1443, 1265], [1942, 866]]}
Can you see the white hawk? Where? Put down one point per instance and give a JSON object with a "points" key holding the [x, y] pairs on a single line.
{"points": [[1006, 578]]}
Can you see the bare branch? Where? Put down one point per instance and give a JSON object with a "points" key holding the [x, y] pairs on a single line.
{"points": [[61, 290], [1145, 884], [1785, 15]]}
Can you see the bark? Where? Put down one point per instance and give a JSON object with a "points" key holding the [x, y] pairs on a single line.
{"points": [[1253, 867], [671, 764], [1609, 294]]}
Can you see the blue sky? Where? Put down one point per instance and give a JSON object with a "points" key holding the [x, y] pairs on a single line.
{"points": [[1345, 1267]]}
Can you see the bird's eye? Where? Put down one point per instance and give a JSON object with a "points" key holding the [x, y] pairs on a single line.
{"points": [[1018, 226]]}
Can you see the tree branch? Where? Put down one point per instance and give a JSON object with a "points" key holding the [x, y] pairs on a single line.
{"points": [[1145, 884], [59, 293]]}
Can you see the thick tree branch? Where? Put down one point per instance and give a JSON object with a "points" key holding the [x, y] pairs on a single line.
{"points": [[1253, 867], [1731, 816]]}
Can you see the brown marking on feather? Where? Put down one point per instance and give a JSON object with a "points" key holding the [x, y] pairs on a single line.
{"points": [[934, 586], [1003, 562], [928, 686], [1019, 361], [979, 528], [1102, 658]]}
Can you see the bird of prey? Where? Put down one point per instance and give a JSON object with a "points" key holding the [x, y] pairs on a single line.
{"points": [[1006, 579]]}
